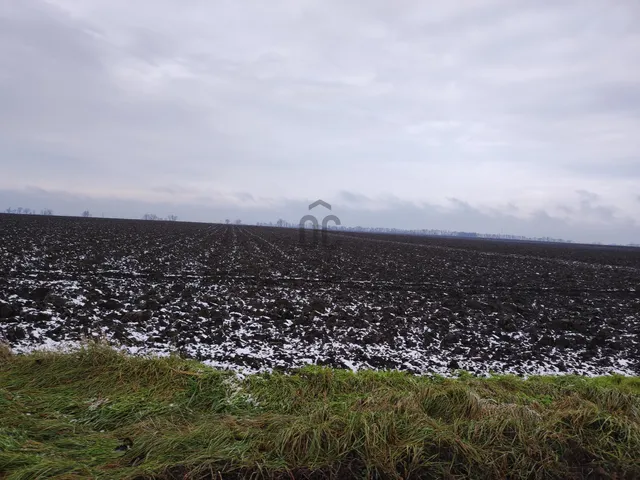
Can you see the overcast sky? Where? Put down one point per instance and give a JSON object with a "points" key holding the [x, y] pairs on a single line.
{"points": [[486, 115]]}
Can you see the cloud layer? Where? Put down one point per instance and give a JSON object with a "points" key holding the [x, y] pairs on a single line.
{"points": [[524, 112]]}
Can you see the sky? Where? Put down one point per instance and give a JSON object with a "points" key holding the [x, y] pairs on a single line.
{"points": [[478, 115]]}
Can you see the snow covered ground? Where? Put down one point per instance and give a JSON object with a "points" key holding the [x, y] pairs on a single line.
{"points": [[254, 298]]}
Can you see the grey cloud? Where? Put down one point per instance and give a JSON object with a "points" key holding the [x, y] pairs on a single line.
{"points": [[245, 197], [616, 168], [598, 211], [352, 197], [587, 196], [497, 109], [589, 209], [461, 205], [566, 209], [170, 189], [459, 216]]}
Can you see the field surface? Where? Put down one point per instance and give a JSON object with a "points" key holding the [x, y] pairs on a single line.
{"points": [[255, 298]]}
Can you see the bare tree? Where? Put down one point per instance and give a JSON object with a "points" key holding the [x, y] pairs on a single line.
{"points": [[172, 218], [150, 216], [8, 210], [86, 213], [227, 221], [46, 211], [19, 210]]}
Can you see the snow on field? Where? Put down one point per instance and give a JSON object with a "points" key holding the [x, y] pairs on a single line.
{"points": [[255, 299]]}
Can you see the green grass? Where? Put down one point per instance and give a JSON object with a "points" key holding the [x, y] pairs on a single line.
{"points": [[64, 415]]}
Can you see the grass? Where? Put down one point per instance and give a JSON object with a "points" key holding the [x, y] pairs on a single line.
{"points": [[96, 413]]}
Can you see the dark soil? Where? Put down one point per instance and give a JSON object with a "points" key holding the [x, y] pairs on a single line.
{"points": [[252, 298]]}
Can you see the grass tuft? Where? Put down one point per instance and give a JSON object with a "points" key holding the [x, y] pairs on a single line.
{"points": [[5, 352]]}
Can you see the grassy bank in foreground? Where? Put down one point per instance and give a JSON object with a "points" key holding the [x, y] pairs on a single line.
{"points": [[98, 413]]}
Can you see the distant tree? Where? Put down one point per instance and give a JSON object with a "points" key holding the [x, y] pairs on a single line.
{"points": [[86, 213], [46, 211], [150, 216], [9, 210], [172, 218], [281, 223], [27, 211], [238, 221], [227, 221], [19, 210]]}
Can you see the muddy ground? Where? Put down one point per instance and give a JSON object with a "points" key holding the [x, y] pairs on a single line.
{"points": [[255, 298]]}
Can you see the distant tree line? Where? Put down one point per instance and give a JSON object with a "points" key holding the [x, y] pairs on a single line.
{"points": [[280, 223], [452, 233], [424, 232], [28, 211], [153, 216], [86, 214]]}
